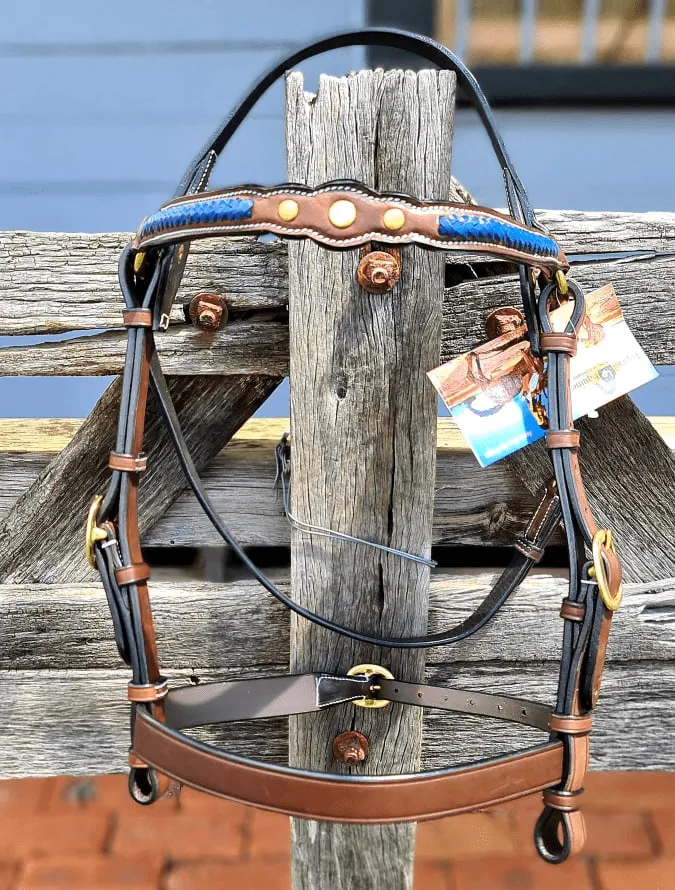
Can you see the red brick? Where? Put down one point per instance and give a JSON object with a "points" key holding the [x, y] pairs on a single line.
{"points": [[664, 823], [191, 801], [100, 793], [519, 874], [8, 872], [618, 835], [42, 835], [468, 835], [58, 873], [610, 833], [630, 790], [659, 874], [431, 876], [23, 795], [221, 876], [178, 836], [270, 834]]}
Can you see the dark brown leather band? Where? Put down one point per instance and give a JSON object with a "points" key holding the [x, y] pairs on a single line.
{"points": [[345, 798], [137, 318], [559, 342], [572, 611], [127, 463], [571, 724], [528, 549], [133, 574], [562, 439]]}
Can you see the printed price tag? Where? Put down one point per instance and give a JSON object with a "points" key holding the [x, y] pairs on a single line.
{"points": [[497, 392]]}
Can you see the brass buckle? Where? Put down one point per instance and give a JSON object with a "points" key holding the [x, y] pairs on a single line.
{"points": [[603, 540], [561, 281], [371, 670], [92, 531]]}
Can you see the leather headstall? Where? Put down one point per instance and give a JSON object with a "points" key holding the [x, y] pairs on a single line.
{"points": [[343, 215]]}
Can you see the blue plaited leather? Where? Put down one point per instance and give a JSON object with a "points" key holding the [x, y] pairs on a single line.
{"points": [[211, 210], [471, 227]]}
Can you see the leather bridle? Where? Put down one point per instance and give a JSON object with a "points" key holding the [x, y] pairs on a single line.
{"points": [[150, 272]]}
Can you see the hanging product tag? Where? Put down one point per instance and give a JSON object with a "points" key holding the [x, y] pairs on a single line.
{"points": [[497, 392]]}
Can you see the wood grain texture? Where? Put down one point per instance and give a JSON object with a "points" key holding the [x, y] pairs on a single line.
{"points": [[81, 723], [254, 345], [42, 538], [645, 288], [363, 420], [629, 474], [59, 281], [474, 506]]}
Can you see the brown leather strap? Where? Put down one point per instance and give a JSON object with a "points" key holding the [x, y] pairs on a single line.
{"points": [[128, 463], [344, 798], [133, 574], [137, 318], [579, 724], [558, 342], [562, 438]]}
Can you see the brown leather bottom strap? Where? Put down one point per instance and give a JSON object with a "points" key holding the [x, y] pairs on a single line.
{"points": [[330, 798]]}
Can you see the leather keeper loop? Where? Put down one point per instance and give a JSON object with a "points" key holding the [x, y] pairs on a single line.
{"points": [[140, 571], [572, 611], [147, 692], [137, 318], [562, 438], [559, 342], [135, 762], [565, 801], [127, 463], [571, 724], [528, 549]]}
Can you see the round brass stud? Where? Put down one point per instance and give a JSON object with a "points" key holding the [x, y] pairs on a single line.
{"points": [[342, 213], [288, 209], [393, 219]]}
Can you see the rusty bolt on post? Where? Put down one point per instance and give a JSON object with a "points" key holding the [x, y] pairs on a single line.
{"points": [[350, 748], [378, 271], [208, 311]]}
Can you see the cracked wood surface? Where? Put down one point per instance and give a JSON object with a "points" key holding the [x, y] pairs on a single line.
{"points": [[64, 691]]}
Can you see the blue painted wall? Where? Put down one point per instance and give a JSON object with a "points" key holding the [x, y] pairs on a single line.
{"points": [[103, 105]]}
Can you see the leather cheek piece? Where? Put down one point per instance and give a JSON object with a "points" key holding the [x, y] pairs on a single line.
{"points": [[137, 318], [133, 574], [128, 463], [558, 342], [562, 438], [571, 725]]}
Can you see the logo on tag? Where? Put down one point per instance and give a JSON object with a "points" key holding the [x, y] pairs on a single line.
{"points": [[497, 392]]}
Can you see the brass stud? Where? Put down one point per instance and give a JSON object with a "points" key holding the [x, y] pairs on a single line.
{"points": [[342, 213], [288, 209], [393, 219]]}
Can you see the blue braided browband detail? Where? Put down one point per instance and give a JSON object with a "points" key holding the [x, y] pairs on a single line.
{"points": [[470, 227], [211, 210]]}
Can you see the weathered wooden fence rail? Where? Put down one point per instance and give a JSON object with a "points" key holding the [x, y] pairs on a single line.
{"points": [[61, 683]]}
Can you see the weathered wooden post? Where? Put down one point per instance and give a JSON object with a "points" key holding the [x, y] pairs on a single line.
{"points": [[363, 420]]}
